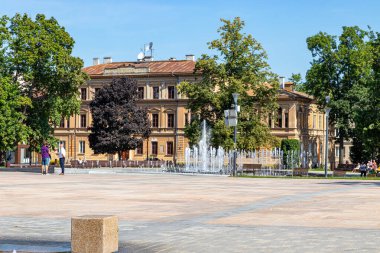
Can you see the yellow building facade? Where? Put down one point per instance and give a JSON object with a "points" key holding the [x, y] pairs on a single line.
{"points": [[298, 116], [157, 87]]}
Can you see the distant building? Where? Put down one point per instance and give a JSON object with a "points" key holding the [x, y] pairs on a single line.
{"points": [[157, 89], [298, 116]]}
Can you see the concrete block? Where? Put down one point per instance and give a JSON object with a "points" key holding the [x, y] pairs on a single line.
{"points": [[94, 234]]}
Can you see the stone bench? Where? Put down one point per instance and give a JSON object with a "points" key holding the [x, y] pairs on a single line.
{"points": [[94, 234], [249, 167], [301, 172]]}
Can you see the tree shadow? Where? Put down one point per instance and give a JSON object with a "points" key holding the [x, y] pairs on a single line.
{"points": [[348, 182], [8, 245]]}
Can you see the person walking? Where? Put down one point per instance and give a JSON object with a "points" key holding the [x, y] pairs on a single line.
{"points": [[363, 170], [45, 154], [62, 156]]}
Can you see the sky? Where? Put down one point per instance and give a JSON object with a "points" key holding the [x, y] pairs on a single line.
{"points": [[120, 28]]}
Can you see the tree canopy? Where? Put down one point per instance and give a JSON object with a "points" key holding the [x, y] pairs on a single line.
{"points": [[12, 127], [119, 124], [346, 69], [36, 55], [240, 65]]}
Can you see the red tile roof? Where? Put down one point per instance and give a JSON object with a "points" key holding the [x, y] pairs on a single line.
{"points": [[183, 66]]}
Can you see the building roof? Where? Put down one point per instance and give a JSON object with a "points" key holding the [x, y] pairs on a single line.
{"points": [[294, 94], [158, 67]]}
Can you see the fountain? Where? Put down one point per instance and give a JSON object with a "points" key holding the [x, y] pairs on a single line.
{"points": [[203, 158]]}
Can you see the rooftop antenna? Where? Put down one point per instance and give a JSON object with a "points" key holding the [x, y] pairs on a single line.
{"points": [[149, 48], [140, 56]]}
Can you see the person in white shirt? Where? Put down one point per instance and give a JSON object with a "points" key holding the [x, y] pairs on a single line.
{"points": [[62, 156]]}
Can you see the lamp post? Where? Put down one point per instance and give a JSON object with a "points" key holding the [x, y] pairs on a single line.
{"points": [[231, 119], [235, 96], [327, 111]]}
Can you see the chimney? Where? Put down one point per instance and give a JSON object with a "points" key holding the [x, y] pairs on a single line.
{"points": [[95, 61], [289, 86], [107, 59], [190, 57], [282, 82]]}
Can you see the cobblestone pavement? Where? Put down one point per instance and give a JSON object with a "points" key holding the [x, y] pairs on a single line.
{"points": [[171, 213]]}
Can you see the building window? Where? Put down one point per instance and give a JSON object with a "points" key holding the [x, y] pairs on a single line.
{"points": [[68, 122], [97, 91], [299, 121], [139, 149], [314, 121], [156, 92], [186, 119], [305, 121], [171, 92], [170, 120], [82, 147], [83, 93], [140, 92], [270, 120], [83, 120], [336, 151], [155, 120], [154, 148], [169, 148], [286, 119], [279, 117], [62, 123], [320, 122]]}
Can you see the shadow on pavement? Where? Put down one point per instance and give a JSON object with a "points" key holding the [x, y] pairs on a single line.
{"points": [[347, 182]]}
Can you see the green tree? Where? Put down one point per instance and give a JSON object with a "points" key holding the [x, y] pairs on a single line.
{"points": [[296, 79], [119, 124], [341, 68], [366, 110], [288, 146], [36, 54], [239, 66], [12, 127]]}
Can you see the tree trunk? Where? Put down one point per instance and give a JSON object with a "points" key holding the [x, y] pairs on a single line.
{"points": [[30, 154], [1, 156], [341, 147]]}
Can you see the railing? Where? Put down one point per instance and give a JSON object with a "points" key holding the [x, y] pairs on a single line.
{"points": [[116, 164]]}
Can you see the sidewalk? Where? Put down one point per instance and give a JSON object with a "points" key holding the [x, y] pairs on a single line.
{"points": [[176, 213]]}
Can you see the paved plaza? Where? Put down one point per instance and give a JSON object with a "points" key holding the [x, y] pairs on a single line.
{"points": [[183, 213]]}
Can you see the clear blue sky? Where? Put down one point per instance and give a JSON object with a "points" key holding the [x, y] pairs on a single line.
{"points": [[120, 28]]}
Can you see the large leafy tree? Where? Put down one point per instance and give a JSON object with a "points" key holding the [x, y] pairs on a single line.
{"points": [[119, 124], [37, 55], [366, 111], [12, 127], [239, 66], [342, 69]]}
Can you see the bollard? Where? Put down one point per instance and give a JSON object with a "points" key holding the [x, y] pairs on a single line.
{"points": [[94, 234]]}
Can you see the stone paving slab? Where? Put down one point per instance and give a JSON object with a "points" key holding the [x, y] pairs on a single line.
{"points": [[177, 213]]}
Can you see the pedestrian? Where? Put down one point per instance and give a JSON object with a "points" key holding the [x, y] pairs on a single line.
{"points": [[62, 156], [363, 170], [45, 154]]}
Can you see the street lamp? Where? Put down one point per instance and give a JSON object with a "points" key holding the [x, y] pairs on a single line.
{"points": [[235, 96], [231, 119], [327, 111]]}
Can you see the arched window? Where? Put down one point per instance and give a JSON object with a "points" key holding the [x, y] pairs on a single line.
{"points": [[279, 117], [270, 120]]}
